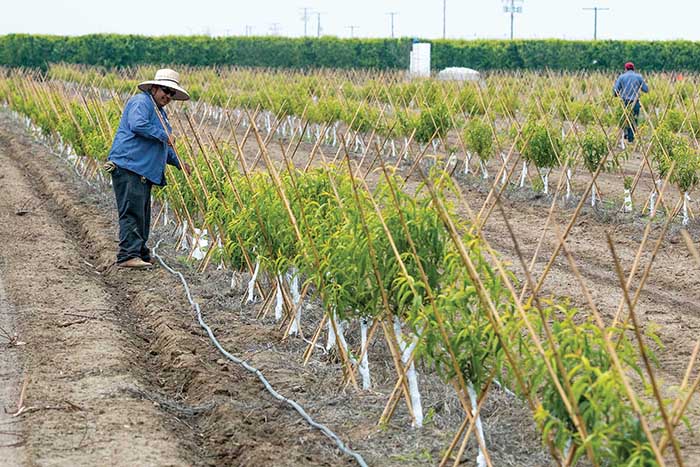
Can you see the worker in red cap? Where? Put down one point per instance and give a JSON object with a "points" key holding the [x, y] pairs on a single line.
{"points": [[627, 87]]}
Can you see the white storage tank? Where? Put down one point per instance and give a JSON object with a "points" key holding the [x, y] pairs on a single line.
{"points": [[420, 59]]}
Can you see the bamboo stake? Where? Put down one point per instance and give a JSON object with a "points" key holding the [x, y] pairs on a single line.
{"points": [[309, 348]]}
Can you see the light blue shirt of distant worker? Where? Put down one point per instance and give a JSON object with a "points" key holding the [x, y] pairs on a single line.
{"points": [[141, 143], [628, 85]]}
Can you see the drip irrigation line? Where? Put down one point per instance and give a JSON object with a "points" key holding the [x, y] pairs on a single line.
{"points": [[257, 372]]}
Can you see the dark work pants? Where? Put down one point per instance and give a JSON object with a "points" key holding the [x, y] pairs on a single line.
{"points": [[133, 194], [629, 126]]}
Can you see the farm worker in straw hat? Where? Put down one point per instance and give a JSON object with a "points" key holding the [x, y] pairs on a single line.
{"points": [[142, 146], [627, 87]]}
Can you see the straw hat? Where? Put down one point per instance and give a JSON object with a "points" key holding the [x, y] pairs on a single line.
{"points": [[170, 79]]}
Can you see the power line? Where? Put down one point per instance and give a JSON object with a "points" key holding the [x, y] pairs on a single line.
{"points": [[392, 14], [510, 7], [596, 9]]}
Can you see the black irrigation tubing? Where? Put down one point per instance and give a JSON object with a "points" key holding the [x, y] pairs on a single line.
{"points": [[257, 372]]}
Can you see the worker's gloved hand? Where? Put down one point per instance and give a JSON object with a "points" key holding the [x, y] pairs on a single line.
{"points": [[109, 167]]}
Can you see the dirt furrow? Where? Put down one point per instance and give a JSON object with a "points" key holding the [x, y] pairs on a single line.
{"points": [[76, 357]]}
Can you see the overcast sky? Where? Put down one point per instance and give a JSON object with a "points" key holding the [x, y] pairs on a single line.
{"points": [[466, 19]]}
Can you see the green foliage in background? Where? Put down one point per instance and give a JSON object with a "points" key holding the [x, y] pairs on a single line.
{"points": [[112, 50]]}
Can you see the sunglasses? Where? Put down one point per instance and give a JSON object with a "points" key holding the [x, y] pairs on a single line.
{"points": [[168, 91]]}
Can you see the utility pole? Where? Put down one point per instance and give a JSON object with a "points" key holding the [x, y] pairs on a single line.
{"points": [[510, 7], [444, 19], [305, 17], [352, 30], [248, 29], [274, 29], [318, 24], [596, 9], [392, 14]]}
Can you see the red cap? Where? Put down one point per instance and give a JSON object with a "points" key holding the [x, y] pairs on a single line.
{"points": [[629, 66]]}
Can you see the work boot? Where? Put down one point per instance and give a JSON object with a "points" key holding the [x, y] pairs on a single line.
{"points": [[135, 263]]}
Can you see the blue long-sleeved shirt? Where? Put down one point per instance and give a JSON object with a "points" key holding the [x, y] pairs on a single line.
{"points": [[628, 85], [141, 143]]}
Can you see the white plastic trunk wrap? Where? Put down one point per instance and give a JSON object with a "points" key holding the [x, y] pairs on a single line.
{"points": [[481, 458], [451, 162], [268, 123], [484, 171], [330, 342], [293, 281], [523, 174], [364, 361], [505, 170], [183, 244], [165, 214], [279, 299], [467, 160], [545, 181], [411, 375], [652, 199], [251, 283], [627, 205], [201, 243]]}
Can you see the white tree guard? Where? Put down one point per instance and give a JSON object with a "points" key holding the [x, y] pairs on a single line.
{"points": [[364, 361], [251, 283], [411, 375], [627, 204], [480, 458]]}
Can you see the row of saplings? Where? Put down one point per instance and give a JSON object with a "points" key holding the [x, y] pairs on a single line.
{"points": [[389, 254], [541, 144], [385, 253], [539, 139]]}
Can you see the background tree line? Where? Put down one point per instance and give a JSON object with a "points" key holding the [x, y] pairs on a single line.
{"points": [[112, 50]]}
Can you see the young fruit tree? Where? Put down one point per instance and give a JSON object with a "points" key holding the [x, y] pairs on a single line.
{"points": [[478, 139]]}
